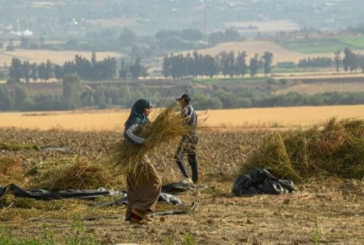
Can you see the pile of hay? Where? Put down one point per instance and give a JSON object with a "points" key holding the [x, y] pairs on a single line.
{"points": [[11, 171], [336, 149], [167, 126], [75, 173]]}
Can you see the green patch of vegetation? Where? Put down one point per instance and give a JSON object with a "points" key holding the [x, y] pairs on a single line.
{"points": [[317, 234], [188, 239], [324, 45], [312, 46], [293, 70], [354, 42]]}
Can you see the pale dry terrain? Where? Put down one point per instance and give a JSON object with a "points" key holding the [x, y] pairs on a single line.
{"points": [[238, 119], [315, 88], [116, 22], [253, 47], [56, 57], [267, 26]]}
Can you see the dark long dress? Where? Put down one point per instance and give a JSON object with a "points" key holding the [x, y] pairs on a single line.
{"points": [[144, 185]]}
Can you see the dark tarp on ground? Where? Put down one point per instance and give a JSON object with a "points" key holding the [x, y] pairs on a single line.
{"points": [[40, 194], [261, 182], [177, 187], [164, 197]]}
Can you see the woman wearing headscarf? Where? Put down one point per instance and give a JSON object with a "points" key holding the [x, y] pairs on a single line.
{"points": [[144, 185]]}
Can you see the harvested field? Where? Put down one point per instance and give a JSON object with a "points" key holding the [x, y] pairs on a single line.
{"points": [[328, 212], [317, 88], [112, 23], [252, 47], [235, 120], [265, 26]]}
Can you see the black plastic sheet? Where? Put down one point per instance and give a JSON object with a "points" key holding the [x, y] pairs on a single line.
{"points": [[261, 182]]}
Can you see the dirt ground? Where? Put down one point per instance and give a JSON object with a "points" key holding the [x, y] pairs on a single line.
{"points": [[312, 215], [326, 211]]}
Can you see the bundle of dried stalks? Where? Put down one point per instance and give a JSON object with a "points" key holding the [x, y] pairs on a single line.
{"points": [[167, 126], [336, 149]]}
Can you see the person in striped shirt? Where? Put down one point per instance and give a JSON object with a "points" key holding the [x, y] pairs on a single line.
{"points": [[188, 142]]}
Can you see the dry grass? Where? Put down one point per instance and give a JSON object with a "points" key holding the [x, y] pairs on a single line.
{"points": [[11, 171], [221, 217], [167, 126], [72, 173], [336, 149], [230, 120], [57, 57]]}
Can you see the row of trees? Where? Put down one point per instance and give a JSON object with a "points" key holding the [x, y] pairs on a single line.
{"points": [[319, 62], [351, 62], [228, 64], [75, 96], [92, 70]]}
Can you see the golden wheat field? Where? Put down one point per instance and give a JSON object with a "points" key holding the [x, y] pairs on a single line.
{"points": [[56, 57], [225, 120]]}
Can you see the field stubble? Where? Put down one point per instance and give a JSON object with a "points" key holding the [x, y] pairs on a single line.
{"points": [[329, 212]]}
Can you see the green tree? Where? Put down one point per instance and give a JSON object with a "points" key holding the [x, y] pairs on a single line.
{"points": [[58, 72], [11, 46], [127, 37], [254, 65], [27, 71], [34, 72], [350, 61], [21, 95], [124, 70], [24, 42], [211, 66], [16, 70], [42, 72], [337, 60], [71, 87], [268, 60], [5, 99], [241, 66], [135, 69]]}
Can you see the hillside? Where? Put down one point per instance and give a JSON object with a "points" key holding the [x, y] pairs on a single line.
{"points": [[281, 53]]}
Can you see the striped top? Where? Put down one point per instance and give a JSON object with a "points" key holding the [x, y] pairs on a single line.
{"points": [[191, 116], [131, 137]]}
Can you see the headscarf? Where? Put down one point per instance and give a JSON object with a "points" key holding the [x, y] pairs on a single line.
{"points": [[137, 115]]}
